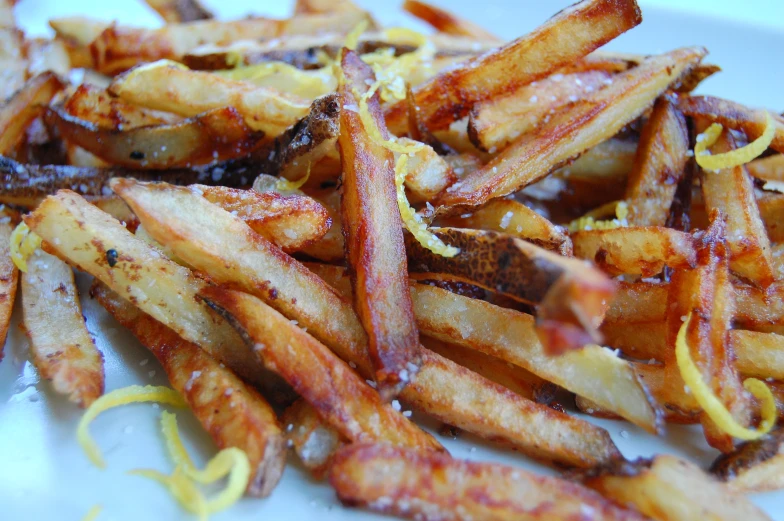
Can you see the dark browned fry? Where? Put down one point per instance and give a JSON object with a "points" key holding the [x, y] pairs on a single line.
{"points": [[8, 282], [231, 411], [23, 107], [574, 32], [373, 232], [216, 135], [446, 22], [754, 466], [431, 487], [176, 11]]}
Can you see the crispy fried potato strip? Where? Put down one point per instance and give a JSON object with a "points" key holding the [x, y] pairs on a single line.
{"points": [[754, 466], [9, 276], [313, 440], [446, 22], [232, 412], [432, 486], [93, 104], [61, 347], [23, 107]]}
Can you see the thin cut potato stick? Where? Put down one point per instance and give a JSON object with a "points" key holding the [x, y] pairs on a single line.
{"points": [[61, 347], [373, 230], [569, 35], [9, 276], [339, 395], [221, 245], [232, 412], [433, 486], [568, 134]]}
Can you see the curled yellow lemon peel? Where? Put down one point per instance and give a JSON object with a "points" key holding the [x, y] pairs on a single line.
{"points": [[591, 221], [23, 243], [712, 405], [391, 70], [93, 513], [733, 158], [124, 396], [284, 185]]}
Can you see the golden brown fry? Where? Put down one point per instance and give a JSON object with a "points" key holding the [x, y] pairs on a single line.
{"points": [[22, 108], [231, 411], [427, 173], [516, 219], [758, 354], [221, 245], [754, 466], [216, 135], [570, 295], [771, 210], [658, 167], [373, 230], [327, 383], [8, 282], [323, 6], [671, 489], [189, 93], [643, 250], [435, 487], [446, 22], [61, 347], [314, 440], [77, 231], [638, 302], [733, 115], [607, 164], [12, 60], [44, 55], [586, 124], [93, 104], [731, 191], [495, 123], [769, 168], [329, 248], [177, 11], [77, 33], [574, 32]]}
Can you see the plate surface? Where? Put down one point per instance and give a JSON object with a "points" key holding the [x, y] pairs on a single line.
{"points": [[44, 474]]}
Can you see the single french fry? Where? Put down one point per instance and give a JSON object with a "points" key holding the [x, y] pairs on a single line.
{"points": [[571, 132], [756, 308], [93, 104], [330, 248], [758, 354], [658, 167], [427, 173], [221, 245], [61, 347], [606, 164], [638, 302], [574, 32], [178, 11], [76, 34], [232, 412], [754, 466], [323, 6], [771, 209], [9, 276], [769, 168], [22, 108], [643, 250], [428, 486], [446, 22], [44, 55], [12, 59], [313, 440]]}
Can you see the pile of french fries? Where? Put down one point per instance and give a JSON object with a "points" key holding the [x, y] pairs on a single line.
{"points": [[241, 194]]}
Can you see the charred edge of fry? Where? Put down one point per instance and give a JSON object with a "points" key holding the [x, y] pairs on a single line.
{"points": [[746, 455]]}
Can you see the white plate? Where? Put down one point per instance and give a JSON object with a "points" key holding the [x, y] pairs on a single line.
{"points": [[44, 474]]}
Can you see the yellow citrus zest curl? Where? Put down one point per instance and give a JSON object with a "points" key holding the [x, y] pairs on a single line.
{"points": [[284, 185], [591, 221], [712, 405], [391, 70], [23, 243], [93, 513], [733, 158], [124, 396]]}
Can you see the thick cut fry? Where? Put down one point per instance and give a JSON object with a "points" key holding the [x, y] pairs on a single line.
{"points": [[497, 122], [571, 296], [22, 108], [638, 302], [769, 168], [177, 11], [373, 230], [733, 115], [189, 93], [93, 104], [658, 167], [569, 35], [9, 276], [515, 219], [446, 22], [61, 348], [758, 354], [77, 231], [435, 487], [221, 245], [217, 135], [327, 383], [119, 48], [731, 191], [671, 489], [231, 411], [314, 440], [509, 335], [755, 466], [586, 124], [643, 250]]}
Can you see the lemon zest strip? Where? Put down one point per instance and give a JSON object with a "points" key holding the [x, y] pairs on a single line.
{"points": [[712, 406], [124, 396], [733, 158], [590, 220], [23, 243]]}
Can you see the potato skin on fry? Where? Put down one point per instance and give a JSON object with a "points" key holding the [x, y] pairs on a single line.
{"points": [[231, 411], [435, 487], [373, 232]]}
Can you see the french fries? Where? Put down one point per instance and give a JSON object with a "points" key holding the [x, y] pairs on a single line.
{"points": [[431, 486], [540, 277], [755, 466], [9, 276], [373, 230], [61, 348], [93, 104], [446, 22], [671, 489], [328, 384], [575, 32], [177, 11], [23, 107], [571, 132], [232, 412], [314, 440]]}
